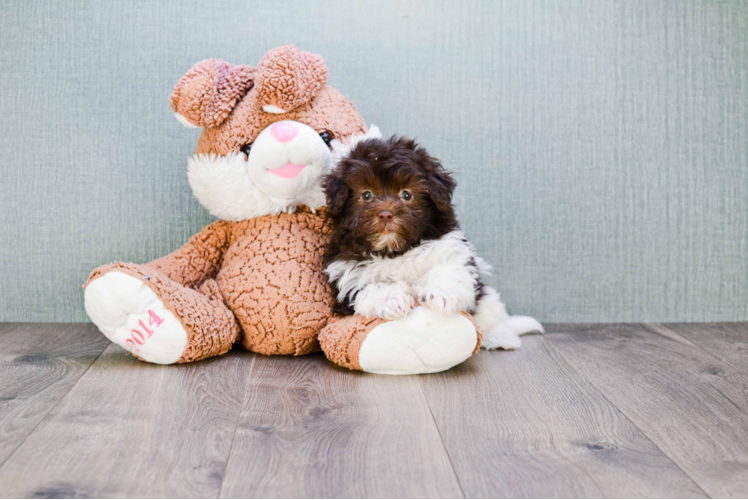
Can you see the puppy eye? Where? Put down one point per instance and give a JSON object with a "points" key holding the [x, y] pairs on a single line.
{"points": [[246, 149], [405, 195], [327, 137], [367, 195]]}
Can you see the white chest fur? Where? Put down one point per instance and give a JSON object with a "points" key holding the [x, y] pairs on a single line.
{"points": [[451, 256]]}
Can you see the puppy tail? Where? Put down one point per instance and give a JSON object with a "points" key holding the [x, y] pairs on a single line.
{"points": [[501, 331], [523, 324]]}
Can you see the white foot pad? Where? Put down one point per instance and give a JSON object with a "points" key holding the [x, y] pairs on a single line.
{"points": [[132, 316], [425, 341]]}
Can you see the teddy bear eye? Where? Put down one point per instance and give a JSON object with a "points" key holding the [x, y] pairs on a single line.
{"points": [[327, 137], [405, 195], [246, 149], [366, 195]]}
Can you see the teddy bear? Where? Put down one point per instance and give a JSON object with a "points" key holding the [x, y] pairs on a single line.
{"points": [[256, 275]]}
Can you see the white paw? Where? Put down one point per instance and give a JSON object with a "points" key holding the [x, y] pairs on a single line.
{"points": [[425, 341], [441, 300], [391, 308], [388, 301], [501, 337], [132, 316]]}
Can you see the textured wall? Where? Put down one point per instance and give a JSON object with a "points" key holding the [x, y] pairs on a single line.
{"points": [[601, 147]]}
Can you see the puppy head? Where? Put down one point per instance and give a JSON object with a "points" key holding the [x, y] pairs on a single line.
{"points": [[386, 197]]}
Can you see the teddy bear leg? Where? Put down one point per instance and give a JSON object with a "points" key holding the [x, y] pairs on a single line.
{"points": [[425, 341], [157, 319]]}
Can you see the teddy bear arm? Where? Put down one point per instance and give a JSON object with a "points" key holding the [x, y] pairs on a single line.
{"points": [[199, 259]]}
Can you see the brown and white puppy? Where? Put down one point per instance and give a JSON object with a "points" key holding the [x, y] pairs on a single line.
{"points": [[396, 242]]}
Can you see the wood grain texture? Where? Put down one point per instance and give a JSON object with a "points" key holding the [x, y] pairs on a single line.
{"points": [[727, 341], [310, 429], [685, 400], [134, 429], [586, 411], [38, 366], [525, 424]]}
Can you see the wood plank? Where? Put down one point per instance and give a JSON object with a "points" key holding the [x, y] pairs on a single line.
{"points": [[39, 363], [134, 429], [526, 424], [311, 429], [683, 398], [727, 341]]}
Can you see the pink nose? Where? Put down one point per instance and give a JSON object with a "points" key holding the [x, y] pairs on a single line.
{"points": [[283, 132]]}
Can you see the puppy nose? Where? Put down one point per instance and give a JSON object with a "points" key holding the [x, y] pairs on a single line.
{"points": [[385, 216], [283, 132]]}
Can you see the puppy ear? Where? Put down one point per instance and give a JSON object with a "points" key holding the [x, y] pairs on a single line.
{"points": [[441, 183], [337, 192], [206, 95]]}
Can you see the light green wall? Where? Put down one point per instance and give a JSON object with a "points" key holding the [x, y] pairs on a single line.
{"points": [[601, 147]]}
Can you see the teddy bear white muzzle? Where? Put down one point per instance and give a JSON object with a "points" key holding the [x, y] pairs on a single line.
{"points": [[287, 159], [283, 170]]}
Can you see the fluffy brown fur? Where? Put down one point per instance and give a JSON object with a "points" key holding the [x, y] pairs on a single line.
{"points": [[367, 200]]}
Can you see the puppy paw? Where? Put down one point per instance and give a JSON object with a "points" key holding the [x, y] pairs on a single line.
{"points": [[441, 300], [395, 308], [501, 337], [390, 302]]}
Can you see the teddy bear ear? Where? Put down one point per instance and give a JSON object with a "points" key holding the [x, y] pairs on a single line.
{"points": [[205, 96], [288, 77]]}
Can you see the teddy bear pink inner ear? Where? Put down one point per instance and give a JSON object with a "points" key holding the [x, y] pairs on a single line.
{"points": [[205, 96], [288, 78]]}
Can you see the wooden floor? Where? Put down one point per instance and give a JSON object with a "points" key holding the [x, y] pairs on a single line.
{"points": [[624, 410]]}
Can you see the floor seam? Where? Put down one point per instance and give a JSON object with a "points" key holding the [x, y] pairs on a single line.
{"points": [[717, 357], [54, 406], [441, 439], [236, 427], [625, 415], [698, 344]]}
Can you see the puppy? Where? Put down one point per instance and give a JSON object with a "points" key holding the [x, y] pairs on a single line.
{"points": [[396, 242]]}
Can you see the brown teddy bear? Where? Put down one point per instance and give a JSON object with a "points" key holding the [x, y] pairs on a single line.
{"points": [[256, 276]]}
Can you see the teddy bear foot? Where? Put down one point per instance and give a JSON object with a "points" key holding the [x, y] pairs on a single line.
{"points": [[425, 341], [132, 316], [157, 319]]}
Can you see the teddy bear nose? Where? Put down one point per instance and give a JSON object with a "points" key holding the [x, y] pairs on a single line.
{"points": [[283, 132]]}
